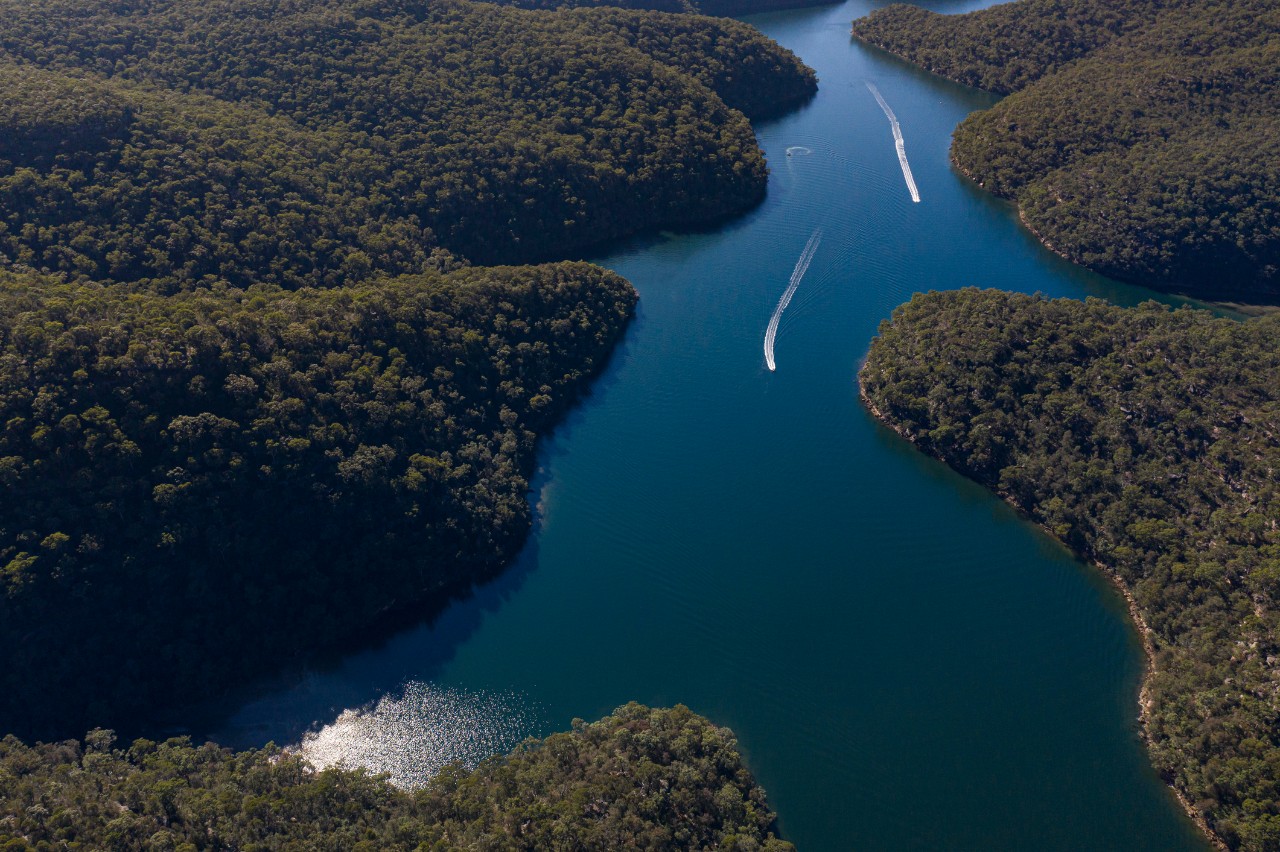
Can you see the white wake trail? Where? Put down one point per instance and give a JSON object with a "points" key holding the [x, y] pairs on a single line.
{"points": [[898, 143], [802, 266]]}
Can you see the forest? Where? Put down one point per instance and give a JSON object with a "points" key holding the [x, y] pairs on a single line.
{"points": [[255, 397], [638, 779], [248, 374], [207, 481], [177, 143], [1146, 440], [1140, 138], [697, 7]]}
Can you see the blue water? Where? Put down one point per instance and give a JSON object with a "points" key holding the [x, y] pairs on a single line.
{"points": [[907, 665]]}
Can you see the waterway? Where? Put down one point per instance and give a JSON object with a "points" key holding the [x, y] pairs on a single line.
{"points": [[907, 664]]}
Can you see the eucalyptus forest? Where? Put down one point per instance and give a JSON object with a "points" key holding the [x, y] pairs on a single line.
{"points": [[163, 148], [1145, 439], [173, 795], [285, 312], [1139, 138], [291, 462], [201, 203], [255, 397]]}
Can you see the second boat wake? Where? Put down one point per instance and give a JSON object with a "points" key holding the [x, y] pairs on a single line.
{"points": [[802, 266]]}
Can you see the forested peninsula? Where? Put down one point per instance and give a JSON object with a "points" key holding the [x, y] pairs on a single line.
{"points": [[254, 396], [308, 143], [200, 483], [638, 779], [1146, 440], [1141, 138]]}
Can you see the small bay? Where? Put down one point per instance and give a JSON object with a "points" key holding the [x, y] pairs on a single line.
{"points": [[907, 664]]}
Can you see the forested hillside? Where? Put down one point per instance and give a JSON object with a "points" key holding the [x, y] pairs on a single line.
{"points": [[1147, 440], [306, 143], [1143, 138], [705, 7], [1008, 46], [254, 397], [207, 462], [196, 484], [639, 779]]}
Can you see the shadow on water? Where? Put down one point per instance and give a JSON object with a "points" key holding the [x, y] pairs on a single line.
{"points": [[418, 640], [650, 238], [353, 673], [722, 227]]}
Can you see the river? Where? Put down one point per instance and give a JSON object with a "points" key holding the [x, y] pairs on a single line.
{"points": [[907, 664]]}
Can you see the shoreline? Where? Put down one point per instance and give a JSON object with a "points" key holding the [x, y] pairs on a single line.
{"points": [[1250, 307], [1022, 216], [1145, 634]]}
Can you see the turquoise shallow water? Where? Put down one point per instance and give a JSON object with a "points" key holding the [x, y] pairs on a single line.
{"points": [[906, 663]]}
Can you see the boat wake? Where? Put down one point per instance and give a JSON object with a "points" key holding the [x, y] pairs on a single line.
{"points": [[802, 266], [898, 143]]}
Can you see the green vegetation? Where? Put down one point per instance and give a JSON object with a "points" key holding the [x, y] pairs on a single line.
{"points": [[198, 483], [1146, 439], [639, 779], [1143, 138], [252, 395], [705, 7], [185, 141], [1140, 140], [1006, 47]]}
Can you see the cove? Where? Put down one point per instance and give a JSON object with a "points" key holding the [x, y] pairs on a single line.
{"points": [[907, 664]]}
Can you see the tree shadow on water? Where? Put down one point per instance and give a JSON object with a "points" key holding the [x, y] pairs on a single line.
{"points": [[411, 643], [414, 643]]}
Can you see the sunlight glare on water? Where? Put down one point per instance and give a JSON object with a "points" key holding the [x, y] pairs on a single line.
{"points": [[413, 737]]}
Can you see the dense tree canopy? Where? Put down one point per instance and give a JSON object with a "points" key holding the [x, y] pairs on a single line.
{"points": [[253, 396], [1149, 441], [194, 483], [1143, 138], [1008, 46], [200, 451], [706, 7], [639, 779], [298, 144]]}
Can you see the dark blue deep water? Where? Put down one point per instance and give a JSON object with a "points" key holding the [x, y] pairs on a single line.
{"points": [[908, 666]]}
